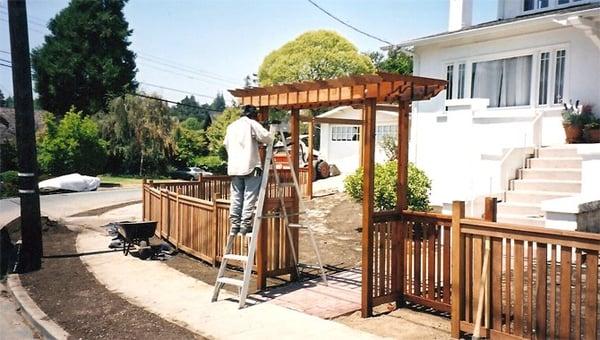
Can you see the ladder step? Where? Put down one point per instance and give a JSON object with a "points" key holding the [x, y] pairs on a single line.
{"points": [[281, 215], [287, 185], [296, 225], [234, 257], [309, 266], [230, 281]]}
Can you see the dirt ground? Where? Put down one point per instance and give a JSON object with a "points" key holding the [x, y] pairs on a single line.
{"points": [[73, 298]]}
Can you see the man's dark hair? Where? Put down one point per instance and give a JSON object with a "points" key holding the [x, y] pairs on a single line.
{"points": [[250, 111]]}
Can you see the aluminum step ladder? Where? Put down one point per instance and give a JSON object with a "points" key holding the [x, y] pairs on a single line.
{"points": [[248, 260]]}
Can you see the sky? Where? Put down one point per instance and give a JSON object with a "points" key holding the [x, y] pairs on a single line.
{"points": [[202, 47]]}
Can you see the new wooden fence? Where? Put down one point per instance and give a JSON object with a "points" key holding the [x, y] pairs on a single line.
{"points": [[194, 216], [543, 282], [411, 259]]}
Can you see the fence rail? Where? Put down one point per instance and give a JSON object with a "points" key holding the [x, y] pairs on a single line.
{"points": [[543, 283]]}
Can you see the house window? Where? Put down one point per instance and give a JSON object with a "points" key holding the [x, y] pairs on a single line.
{"points": [[461, 81], [529, 5], [345, 133], [449, 79], [544, 70], [559, 76], [385, 130], [506, 82]]}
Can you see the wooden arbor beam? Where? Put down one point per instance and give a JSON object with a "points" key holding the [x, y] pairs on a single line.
{"points": [[368, 163]]}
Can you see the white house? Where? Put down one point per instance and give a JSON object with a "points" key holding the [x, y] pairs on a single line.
{"points": [[506, 81], [340, 144]]}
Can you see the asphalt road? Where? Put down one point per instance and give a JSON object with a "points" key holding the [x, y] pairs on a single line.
{"points": [[63, 205]]}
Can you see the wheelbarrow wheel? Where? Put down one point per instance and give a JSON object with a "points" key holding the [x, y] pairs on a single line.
{"points": [[145, 250]]}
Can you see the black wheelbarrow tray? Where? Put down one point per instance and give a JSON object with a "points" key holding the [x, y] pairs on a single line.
{"points": [[136, 235]]}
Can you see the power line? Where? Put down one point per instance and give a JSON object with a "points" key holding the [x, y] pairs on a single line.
{"points": [[29, 28], [6, 61], [5, 65], [177, 90], [181, 67], [172, 102], [186, 75], [347, 24], [4, 52]]}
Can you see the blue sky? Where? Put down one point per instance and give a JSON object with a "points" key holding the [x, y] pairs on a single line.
{"points": [[212, 45]]}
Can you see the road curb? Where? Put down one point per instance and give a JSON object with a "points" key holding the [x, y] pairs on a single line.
{"points": [[48, 328]]}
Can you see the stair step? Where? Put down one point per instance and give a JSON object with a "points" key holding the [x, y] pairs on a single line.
{"points": [[309, 266], [242, 258], [521, 220], [554, 163], [552, 174], [557, 152], [230, 281], [533, 197], [547, 185], [510, 208], [296, 225]]}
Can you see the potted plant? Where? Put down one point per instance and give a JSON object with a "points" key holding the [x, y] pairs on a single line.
{"points": [[574, 119], [592, 131]]}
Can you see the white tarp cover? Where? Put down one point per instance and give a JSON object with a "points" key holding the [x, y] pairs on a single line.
{"points": [[71, 182]]}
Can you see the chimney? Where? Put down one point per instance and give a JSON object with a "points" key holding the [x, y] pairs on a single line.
{"points": [[460, 14]]}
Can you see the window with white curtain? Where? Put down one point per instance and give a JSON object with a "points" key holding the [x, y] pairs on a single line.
{"points": [[449, 79], [559, 76], [461, 81], [506, 82], [345, 133], [544, 71]]}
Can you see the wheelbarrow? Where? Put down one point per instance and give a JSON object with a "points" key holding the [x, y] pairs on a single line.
{"points": [[137, 235]]}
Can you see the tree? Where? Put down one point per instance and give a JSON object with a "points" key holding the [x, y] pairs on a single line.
{"points": [[2, 101], [313, 55], [85, 60], [215, 133], [190, 142], [139, 132], [189, 107], [395, 61], [218, 103], [10, 102], [72, 144]]}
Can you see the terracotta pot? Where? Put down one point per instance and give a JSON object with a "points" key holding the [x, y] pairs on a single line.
{"points": [[592, 135], [574, 133]]}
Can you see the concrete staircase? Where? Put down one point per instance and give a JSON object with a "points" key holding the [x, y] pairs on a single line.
{"points": [[553, 172]]}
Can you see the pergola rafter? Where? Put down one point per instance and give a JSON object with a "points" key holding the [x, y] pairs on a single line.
{"points": [[364, 91]]}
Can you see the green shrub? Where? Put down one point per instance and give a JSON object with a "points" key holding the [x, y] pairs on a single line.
{"points": [[71, 145], [9, 183], [419, 186], [212, 163]]}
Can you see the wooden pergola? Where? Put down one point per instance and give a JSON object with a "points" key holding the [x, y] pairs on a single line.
{"points": [[365, 91]]}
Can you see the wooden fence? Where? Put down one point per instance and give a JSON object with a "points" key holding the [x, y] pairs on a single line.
{"points": [[194, 217], [411, 259], [542, 283]]}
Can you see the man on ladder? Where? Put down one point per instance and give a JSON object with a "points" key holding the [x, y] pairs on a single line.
{"points": [[248, 187], [245, 168]]}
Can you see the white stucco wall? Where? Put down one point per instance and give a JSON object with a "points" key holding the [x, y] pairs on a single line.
{"points": [[459, 149]]}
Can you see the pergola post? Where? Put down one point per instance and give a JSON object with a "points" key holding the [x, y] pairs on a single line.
{"points": [[399, 233], [368, 164], [311, 168], [295, 140]]}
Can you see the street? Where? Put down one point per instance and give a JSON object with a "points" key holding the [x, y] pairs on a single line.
{"points": [[63, 205]]}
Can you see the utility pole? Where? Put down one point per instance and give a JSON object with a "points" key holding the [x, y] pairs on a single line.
{"points": [[31, 231]]}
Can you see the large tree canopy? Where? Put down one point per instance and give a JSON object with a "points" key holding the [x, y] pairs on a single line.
{"points": [[313, 55], [85, 59]]}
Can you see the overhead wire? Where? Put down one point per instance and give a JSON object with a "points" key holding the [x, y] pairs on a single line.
{"points": [[348, 25], [176, 90]]}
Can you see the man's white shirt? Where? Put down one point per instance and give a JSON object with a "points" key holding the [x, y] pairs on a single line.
{"points": [[241, 141]]}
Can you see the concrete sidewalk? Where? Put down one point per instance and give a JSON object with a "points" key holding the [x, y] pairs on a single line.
{"points": [[186, 301]]}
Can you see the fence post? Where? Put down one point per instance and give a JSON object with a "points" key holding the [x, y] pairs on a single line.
{"points": [[215, 218], [458, 269], [144, 199], [177, 217], [490, 214]]}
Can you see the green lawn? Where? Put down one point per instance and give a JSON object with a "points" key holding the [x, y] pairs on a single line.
{"points": [[123, 181]]}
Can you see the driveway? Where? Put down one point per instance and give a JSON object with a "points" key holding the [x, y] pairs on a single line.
{"points": [[63, 205]]}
